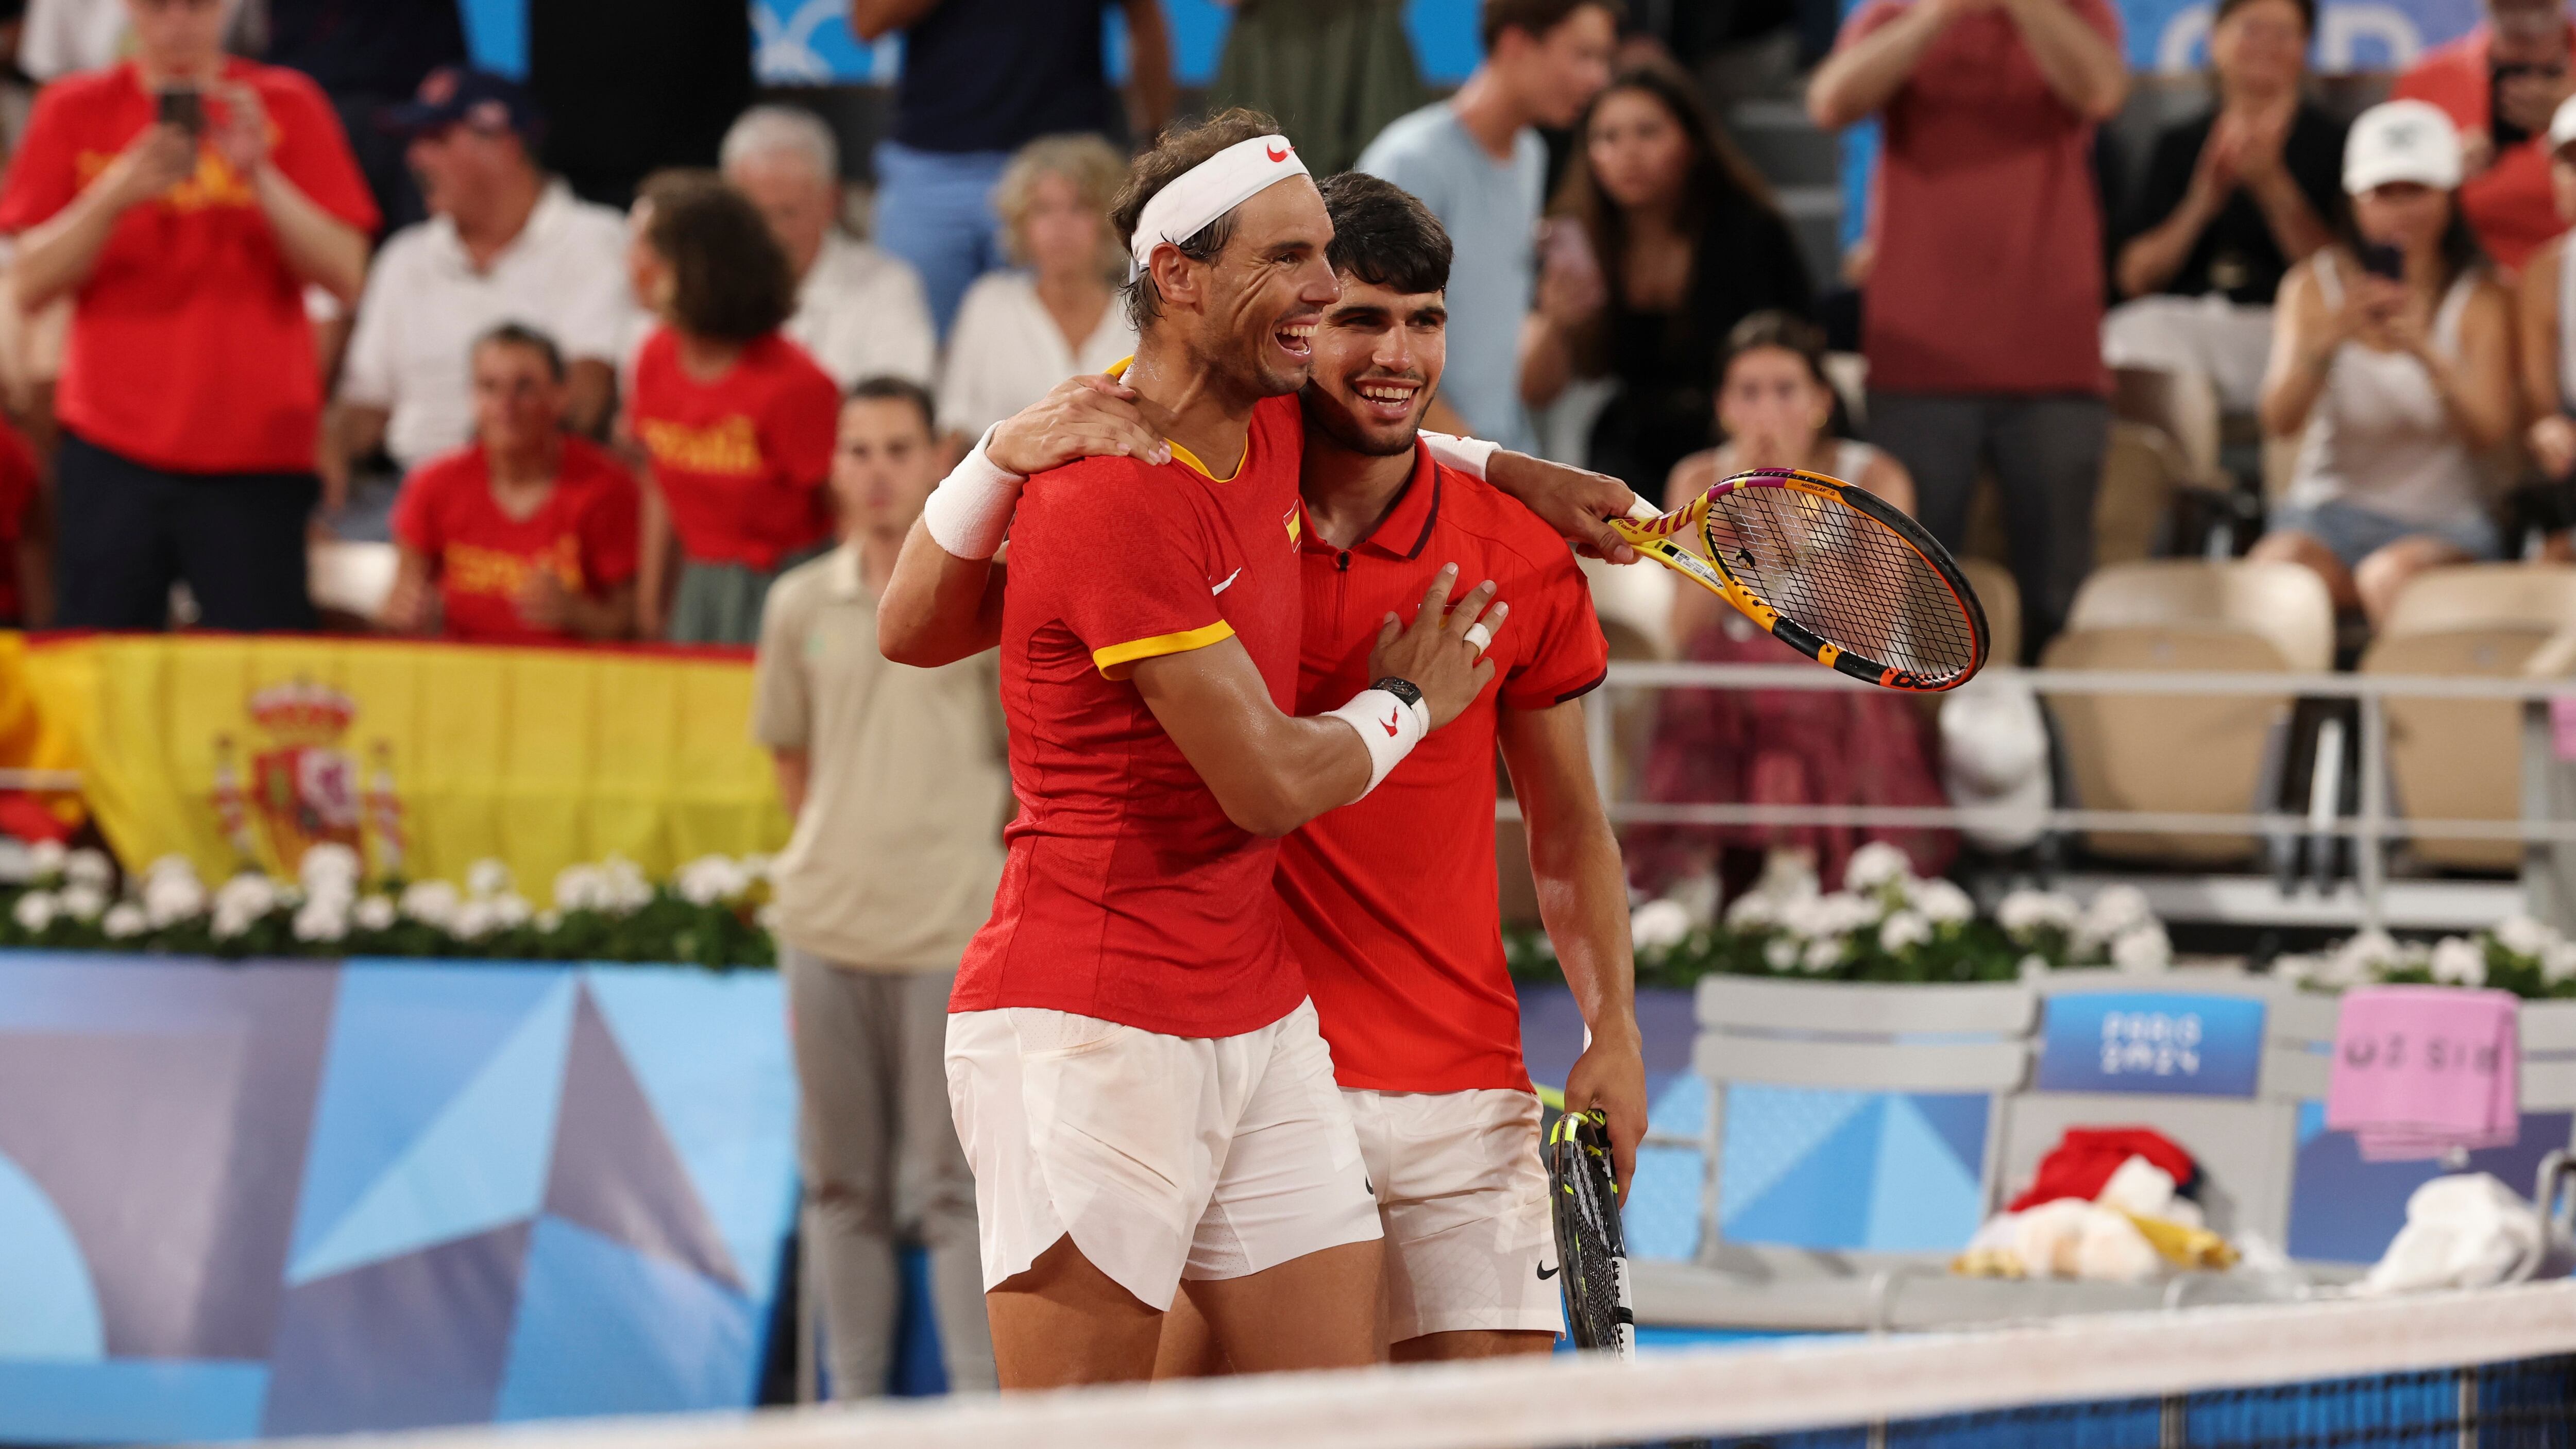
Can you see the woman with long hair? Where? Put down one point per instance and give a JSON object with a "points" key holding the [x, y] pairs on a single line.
{"points": [[1664, 238], [2393, 365]]}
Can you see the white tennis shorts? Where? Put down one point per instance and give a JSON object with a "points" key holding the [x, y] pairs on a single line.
{"points": [[1462, 1192], [1162, 1157]]}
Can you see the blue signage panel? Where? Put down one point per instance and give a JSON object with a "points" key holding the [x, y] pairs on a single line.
{"points": [[2168, 1042]]}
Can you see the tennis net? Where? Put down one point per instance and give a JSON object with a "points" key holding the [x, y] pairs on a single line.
{"points": [[2488, 1370]]}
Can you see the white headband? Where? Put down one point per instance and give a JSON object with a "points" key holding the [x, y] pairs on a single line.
{"points": [[1210, 189]]}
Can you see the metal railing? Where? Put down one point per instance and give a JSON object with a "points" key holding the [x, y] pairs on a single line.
{"points": [[2371, 826]]}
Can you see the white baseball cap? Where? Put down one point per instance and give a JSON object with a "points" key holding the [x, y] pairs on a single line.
{"points": [[2401, 141], [2562, 125]]}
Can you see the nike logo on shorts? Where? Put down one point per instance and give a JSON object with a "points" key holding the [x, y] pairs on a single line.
{"points": [[1545, 1273]]}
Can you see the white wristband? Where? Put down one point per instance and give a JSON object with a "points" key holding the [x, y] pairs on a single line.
{"points": [[969, 513], [1387, 725], [1467, 455]]}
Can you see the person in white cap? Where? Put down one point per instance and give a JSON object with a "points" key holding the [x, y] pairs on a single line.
{"points": [[2546, 311], [2393, 366]]}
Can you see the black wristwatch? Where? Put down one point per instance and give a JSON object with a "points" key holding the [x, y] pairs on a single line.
{"points": [[1402, 689]]}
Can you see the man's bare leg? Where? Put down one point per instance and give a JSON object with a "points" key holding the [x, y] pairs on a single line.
{"points": [[1189, 1349], [1318, 1311], [1066, 1322], [1472, 1343]]}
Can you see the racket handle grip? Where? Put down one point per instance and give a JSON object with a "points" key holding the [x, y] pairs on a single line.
{"points": [[1644, 510]]}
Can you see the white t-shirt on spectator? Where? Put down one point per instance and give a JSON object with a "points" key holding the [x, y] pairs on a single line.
{"points": [[63, 36], [1007, 353], [860, 312], [564, 275]]}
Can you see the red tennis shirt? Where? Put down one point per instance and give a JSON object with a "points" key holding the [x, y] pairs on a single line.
{"points": [[741, 461], [1391, 901], [1126, 893], [584, 533]]}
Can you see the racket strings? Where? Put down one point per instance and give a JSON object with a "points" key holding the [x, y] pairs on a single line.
{"points": [[1845, 576]]}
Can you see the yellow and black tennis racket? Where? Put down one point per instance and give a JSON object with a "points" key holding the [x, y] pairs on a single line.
{"points": [[1832, 571], [1591, 1248]]}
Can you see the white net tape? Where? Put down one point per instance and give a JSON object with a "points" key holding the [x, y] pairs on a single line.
{"points": [[1569, 1400]]}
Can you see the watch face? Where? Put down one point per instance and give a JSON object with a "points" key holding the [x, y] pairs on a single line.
{"points": [[1401, 688]]}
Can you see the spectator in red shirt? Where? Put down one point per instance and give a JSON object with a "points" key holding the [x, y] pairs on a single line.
{"points": [[185, 201], [527, 534], [737, 421], [2499, 84], [1982, 320]]}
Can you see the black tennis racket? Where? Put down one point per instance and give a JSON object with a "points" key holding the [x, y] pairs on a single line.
{"points": [[1833, 571], [1591, 1250]]}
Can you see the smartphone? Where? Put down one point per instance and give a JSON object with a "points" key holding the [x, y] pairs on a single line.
{"points": [[185, 108], [1563, 244], [2382, 260]]}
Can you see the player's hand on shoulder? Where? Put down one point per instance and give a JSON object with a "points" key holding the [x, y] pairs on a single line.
{"points": [[1442, 652], [1092, 416], [1573, 501]]}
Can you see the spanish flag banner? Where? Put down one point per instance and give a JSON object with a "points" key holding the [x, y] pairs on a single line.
{"points": [[240, 751]]}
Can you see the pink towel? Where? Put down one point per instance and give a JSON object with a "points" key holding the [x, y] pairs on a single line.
{"points": [[2422, 1070]]}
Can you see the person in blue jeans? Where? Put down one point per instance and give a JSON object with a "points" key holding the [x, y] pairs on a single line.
{"points": [[980, 79]]}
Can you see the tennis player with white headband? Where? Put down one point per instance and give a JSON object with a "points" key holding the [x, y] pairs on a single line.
{"points": [[1136, 1073]]}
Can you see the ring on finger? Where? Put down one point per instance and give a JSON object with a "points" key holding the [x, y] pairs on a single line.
{"points": [[1478, 636]]}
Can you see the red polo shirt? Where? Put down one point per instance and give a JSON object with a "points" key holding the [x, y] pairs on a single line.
{"points": [[1392, 900], [2509, 204]]}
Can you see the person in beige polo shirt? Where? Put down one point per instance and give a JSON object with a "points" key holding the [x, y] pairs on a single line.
{"points": [[899, 783]]}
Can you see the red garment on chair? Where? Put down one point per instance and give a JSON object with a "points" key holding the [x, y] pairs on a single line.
{"points": [[2084, 1159]]}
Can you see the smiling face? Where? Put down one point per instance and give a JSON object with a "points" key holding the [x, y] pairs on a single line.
{"points": [[1378, 357], [1250, 312]]}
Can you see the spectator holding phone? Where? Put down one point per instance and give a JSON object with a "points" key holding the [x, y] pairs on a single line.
{"points": [[185, 201], [736, 420], [2500, 84], [2393, 365], [527, 534]]}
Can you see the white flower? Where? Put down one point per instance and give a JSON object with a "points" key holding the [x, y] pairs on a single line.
{"points": [[2142, 950], [2296, 971], [1874, 865], [1657, 925], [486, 878], [328, 866], [766, 918], [1944, 904], [323, 918], [710, 879], [47, 858], [1903, 931], [34, 912], [628, 891], [82, 901], [581, 888], [432, 903], [2116, 911], [757, 866], [1787, 875], [2558, 963], [2032, 967], [1752, 913], [548, 920], [510, 909], [475, 920], [2524, 936], [172, 896], [374, 912], [90, 868], [2363, 958], [248, 895], [2025, 912], [1823, 955], [1780, 953], [2458, 962], [124, 920]]}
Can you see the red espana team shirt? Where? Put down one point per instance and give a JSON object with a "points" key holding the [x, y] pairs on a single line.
{"points": [[189, 349], [1127, 894], [584, 533], [741, 460], [1391, 901]]}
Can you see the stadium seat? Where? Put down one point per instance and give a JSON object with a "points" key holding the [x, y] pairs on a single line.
{"points": [[2182, 406], [2214, 754], [2461, 759], [2140, 471]]}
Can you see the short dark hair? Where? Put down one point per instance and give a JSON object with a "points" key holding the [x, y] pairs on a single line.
{"points": [[731, 279], [1383, 235], [888, 388], [2307, 12], [1533, 18], [1177, 152], [519, 334]]}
